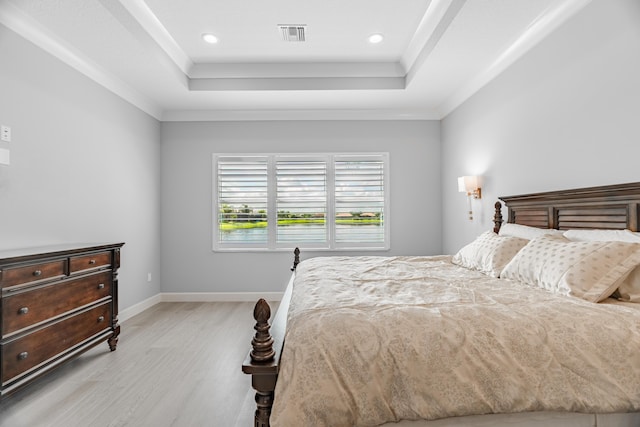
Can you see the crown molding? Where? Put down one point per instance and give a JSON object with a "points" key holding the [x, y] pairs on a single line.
{"points": [[152, 25], [434, 24], [322, 83], [281, 115], [31, 30], [548, 22], [296, 70]]}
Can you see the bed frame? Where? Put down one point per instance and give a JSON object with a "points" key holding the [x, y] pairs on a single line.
{"points": [[613, 207]]}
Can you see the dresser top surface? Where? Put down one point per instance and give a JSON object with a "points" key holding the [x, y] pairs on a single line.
{"points": [[63, 249]]}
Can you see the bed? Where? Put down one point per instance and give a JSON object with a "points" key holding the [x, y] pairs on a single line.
{"points": [[524, 326]]}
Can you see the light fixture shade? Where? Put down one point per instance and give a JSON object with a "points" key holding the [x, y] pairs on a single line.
{"points": [[467, 184], [461, 186]]}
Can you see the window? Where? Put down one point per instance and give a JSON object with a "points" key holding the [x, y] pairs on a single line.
{"points": [[321, 201], [242, 200]]}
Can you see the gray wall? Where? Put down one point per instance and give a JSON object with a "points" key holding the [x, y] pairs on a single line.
{"points": [[188, 262], [566, 115], [85, 165]]}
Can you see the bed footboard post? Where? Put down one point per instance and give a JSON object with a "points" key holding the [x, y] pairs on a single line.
{"points": [[262, 342], [296, 259], [260, 364], [264, 402], [263, 359]]}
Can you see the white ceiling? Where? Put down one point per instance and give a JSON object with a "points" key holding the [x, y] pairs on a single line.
{"points": [[435, 54]]}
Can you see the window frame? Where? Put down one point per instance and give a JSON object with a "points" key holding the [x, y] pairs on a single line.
{"points": [[271, 244]]}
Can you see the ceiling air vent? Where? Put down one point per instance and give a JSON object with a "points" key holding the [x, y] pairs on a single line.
{"points": [[292, 33]]}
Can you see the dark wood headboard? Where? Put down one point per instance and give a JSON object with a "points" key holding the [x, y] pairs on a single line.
{"points": [[613, 207]]}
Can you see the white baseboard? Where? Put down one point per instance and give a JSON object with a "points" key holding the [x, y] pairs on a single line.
{"points": [[138, 308], [219, 296]]}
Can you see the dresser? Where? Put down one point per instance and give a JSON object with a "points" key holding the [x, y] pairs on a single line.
{"points": [[56, 303]]}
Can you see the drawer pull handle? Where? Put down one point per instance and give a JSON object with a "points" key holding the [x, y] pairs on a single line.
{"points": [[23, 310], [100, 319], [23, 355], [92, 261], [37, 273], [101, 286]]}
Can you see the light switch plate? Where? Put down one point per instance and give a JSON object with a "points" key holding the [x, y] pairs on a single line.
{"points": [[5, 133]]}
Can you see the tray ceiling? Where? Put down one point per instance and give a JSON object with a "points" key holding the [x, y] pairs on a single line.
{"points": [[434, 55]]}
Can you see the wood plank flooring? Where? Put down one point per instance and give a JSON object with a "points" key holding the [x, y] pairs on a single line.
{"points": [[177, 364]]}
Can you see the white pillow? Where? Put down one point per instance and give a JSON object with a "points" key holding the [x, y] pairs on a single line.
{"points": [[489, 253], [588, 270], [525, 231], [629, 289]]}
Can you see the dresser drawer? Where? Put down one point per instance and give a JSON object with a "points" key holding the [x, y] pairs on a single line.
{"points": [[24, 353], [89, 262], [27, 308], [32, 273]]}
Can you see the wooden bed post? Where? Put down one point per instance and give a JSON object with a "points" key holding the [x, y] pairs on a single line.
{"points": [[262, 353], [263, 360], [497, 217], [296, 259], [262, 343]]}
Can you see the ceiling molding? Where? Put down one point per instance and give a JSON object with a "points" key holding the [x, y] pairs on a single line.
{"points": [[31, 30], [275, 115], [549, 21], [154, 40], [152, 25], [296, 70], [328, 83], [440, 24], [434, 23]]}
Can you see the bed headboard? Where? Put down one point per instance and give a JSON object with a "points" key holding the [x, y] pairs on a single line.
{"points": [[612, 207]]}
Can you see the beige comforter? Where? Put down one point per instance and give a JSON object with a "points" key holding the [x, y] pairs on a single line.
{"points": [[378, 339]]}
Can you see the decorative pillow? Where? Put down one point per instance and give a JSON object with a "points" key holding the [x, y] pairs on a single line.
{"points": [[588, 270], [525, 231], [629, 289], [489, 253]]}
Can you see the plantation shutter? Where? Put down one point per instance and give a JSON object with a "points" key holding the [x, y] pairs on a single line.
{"points": [[360, 200], [301, 201], [242, 188], [319, 201]]}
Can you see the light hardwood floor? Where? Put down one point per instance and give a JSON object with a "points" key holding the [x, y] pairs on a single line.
{"points": [[177, 364]]}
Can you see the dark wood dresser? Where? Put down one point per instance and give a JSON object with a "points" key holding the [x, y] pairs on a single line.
{"points": [[56, 302]]}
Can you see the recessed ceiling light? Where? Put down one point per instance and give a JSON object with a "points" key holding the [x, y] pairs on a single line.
{"points": [[210, 38], [375, 38]]}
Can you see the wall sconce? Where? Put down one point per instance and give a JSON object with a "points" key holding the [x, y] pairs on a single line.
{"points": [[469, 185]]}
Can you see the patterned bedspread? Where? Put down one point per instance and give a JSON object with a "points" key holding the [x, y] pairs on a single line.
{"points": [[380, 339]]}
